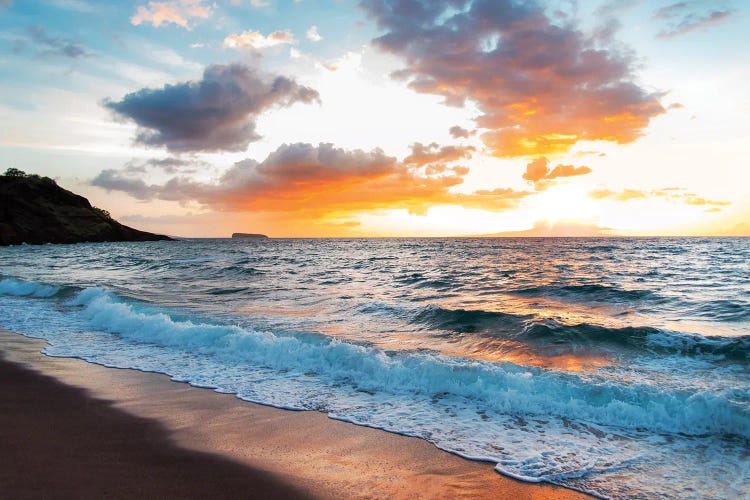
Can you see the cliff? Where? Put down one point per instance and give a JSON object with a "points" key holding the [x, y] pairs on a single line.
{"points": [[36, 210]]}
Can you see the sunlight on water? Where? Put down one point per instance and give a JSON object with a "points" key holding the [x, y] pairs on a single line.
{"points": [[615, 366]]}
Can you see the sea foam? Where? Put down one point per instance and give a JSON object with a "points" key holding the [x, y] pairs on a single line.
{"points": [[669, 404], [502, 387]]}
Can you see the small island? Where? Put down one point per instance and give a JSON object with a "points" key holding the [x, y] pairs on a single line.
{"points": [[249, 236], [35, 210]]}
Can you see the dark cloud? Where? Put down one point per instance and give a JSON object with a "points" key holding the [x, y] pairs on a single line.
{"points": [[686, 17], [58, 46], [538, 171], [113, 180], [321, 181], [217, 113], [540, 86]]}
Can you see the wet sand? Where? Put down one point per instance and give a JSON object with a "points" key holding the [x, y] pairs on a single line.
{"points": [[73, 429]]}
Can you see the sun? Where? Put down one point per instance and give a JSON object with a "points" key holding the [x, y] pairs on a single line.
{"points": [[567, 202]]}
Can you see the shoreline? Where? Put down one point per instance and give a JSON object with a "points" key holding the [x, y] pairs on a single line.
{"points": [[271, 450]]}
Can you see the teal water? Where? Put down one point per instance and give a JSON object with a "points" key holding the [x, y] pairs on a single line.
{"points": [[614, 366]]}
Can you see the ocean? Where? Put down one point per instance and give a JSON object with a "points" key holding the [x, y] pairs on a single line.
{"points": [[614, 366]]}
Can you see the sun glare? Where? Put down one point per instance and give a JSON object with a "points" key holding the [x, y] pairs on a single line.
{"points": [[567, 202]]}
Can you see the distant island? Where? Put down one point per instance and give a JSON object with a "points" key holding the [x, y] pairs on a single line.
{"points": [[562, 228], [35, 210], [249, 236]]}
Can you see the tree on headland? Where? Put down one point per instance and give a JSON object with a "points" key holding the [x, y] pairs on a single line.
{"points": [[14, 172], [102, 212]]}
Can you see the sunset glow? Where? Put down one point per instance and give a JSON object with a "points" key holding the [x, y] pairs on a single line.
{"points": [[194, 118]]}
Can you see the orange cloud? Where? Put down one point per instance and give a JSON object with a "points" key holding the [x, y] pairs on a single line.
{"points": [[458, 132], [177, 12], [581, 154], [324, 182], [691, 199], [255, 40], [423, 154], [541, 85], [624, 195], [673, 194], [538, 172]]}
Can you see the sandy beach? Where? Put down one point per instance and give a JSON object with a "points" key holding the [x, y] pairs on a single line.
{"points": [[73, 429]]}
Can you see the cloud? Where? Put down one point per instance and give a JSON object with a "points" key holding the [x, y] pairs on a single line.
{"points": [[459, 132], [588, 152], [673, 194], [217, 113], [568, 171], [432, 153], [260, 3], [113, 180], [692, 199], [55, 45], [616, 7], [178, 12], [624, 195], [687, 17], [320, 182], [673, 10], [540, 86], [169, 165], [538, 172], [255, 40], [313, 35]]}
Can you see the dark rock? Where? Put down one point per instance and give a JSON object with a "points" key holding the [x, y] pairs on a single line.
{"points": [[36, 210]]}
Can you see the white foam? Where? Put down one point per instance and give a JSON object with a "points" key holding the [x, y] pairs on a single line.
{"points": [[536, 425], [502, 387]]}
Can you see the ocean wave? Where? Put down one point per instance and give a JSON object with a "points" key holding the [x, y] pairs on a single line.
{"points": [[723, 310], [589, 293], [641, 339], [19, 288], [606, 432], [470, 321], [501, 387], [528, 329], [227, 291]]}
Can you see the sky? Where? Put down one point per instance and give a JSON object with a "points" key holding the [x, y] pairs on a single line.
{"points": [[314, 118]]}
